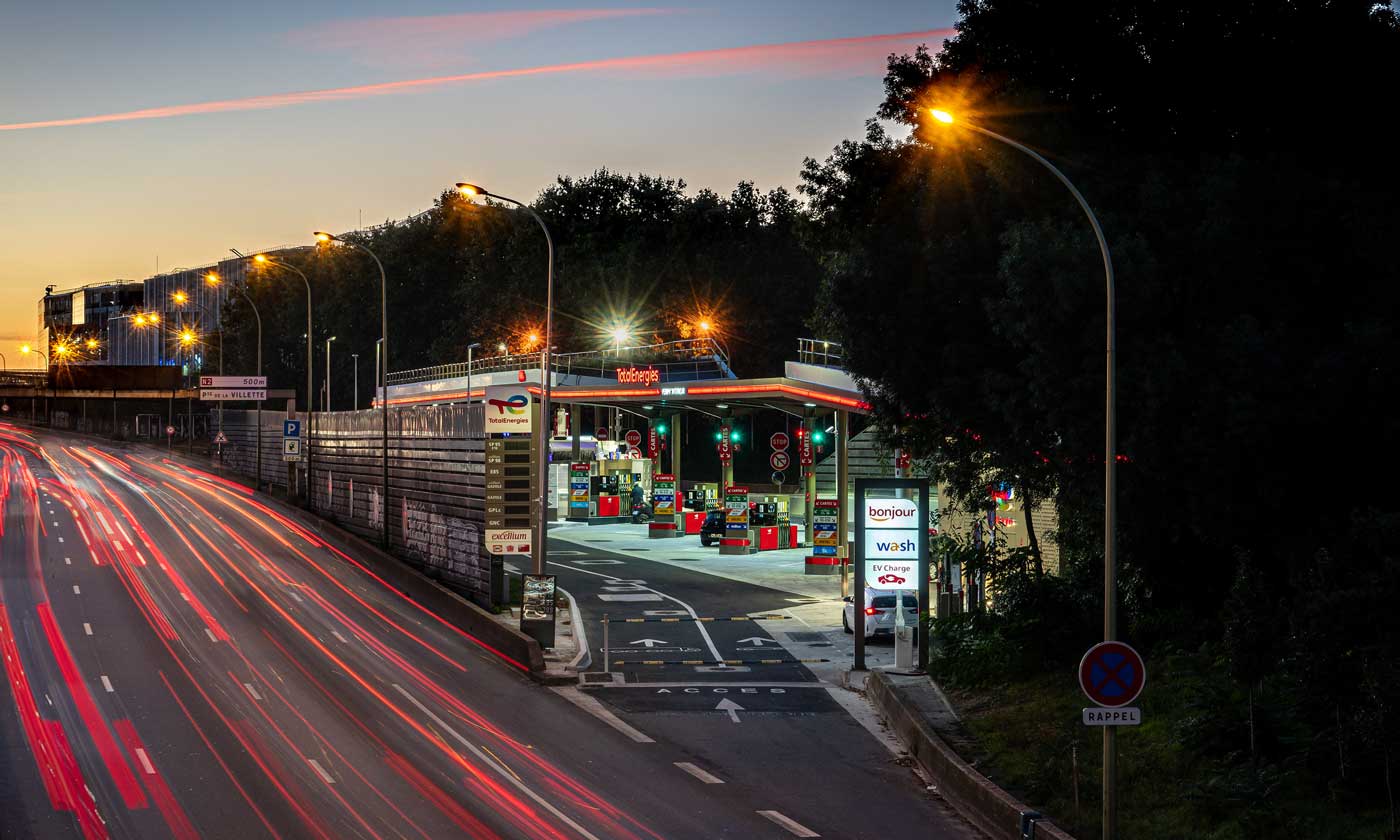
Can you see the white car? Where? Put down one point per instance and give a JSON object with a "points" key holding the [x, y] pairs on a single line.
{"points": [[879, 612]]}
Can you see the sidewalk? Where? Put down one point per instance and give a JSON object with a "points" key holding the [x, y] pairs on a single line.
{"points": [[814, 632]]}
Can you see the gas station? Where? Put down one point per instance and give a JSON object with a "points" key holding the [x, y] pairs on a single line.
{"points": [[633, 418]]}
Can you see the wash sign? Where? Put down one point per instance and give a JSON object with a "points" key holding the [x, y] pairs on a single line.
{"points": [[891, 542]]}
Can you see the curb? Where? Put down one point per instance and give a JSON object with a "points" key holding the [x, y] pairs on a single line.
{"points": [[992, 810]]}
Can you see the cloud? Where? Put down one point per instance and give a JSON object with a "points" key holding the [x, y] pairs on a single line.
{"points": [[831, 58], [433, 39]]}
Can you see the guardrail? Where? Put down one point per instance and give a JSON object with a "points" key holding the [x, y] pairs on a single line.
{"points": [[817, 351], [24, 379], [702, 358]]}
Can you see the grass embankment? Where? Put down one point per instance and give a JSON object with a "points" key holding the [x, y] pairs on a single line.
{"points": [[1029, 739]]}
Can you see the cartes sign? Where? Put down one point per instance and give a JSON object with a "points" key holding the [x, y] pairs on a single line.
{"points": [[508, 410]]}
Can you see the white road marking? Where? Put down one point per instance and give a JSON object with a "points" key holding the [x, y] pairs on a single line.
{"points": [[500, 770], [591, 704], [343, 640], [704, 634], [145, 762], [647, 596], [253, 691], [700, 774], [60, 539], [107, 684], [210, 634], [296, 596], [55, 522], [68, 561], [186, 596], [791, 825], [77, 590], [326, 777], [87, 628]]}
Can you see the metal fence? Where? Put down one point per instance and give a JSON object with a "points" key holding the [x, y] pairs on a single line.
{"points": [[692, 358], [436, 498]]}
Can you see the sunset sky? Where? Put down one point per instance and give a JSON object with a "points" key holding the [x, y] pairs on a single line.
{"points": [[173, 131]]}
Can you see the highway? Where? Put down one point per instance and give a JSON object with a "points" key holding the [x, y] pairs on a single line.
{"points": [[184, 658]]}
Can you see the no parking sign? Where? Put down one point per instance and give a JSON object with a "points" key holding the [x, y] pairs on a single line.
{"points": [[1112, 675]]}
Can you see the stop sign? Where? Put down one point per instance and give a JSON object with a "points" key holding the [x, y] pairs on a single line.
{"points": [[633, 438], [779, 441]]}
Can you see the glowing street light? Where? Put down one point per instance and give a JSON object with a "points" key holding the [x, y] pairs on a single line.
{"points": [[92, 344], [542, 434], [180, 297], [1110, 479], [502, 348], [212, 279]]}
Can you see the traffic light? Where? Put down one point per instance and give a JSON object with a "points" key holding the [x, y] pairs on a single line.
{"points": [[661, 428], [719, 436], [818, 437], [734, 435]]}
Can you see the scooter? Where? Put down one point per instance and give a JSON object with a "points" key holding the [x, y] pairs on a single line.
{"points": [[641, 513]]}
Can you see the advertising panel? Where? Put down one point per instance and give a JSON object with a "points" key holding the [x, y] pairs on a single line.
{"points": [[663, 493], [825, 513], [891, 513], [508, 410]]}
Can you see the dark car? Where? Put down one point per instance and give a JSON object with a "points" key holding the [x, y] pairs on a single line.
{"points": [[713, 529]]}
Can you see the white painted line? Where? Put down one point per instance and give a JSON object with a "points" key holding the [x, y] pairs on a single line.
{"points": [[77, 590], [107, 684], [145, 762], [297, 597], [700, 774], [253, 691], [87, 628], [55, 522], [186, 596], [68, 561], [500, 770], [704, 634], [210, 634], [591, 704], [791, 825], [326, 777], [647, 596], [60, 539], [343, 640]]}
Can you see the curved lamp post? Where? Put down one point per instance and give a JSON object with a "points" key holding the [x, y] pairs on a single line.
{"points": [[542, 434], [1110, 478], [384, 367], [265, 260]]}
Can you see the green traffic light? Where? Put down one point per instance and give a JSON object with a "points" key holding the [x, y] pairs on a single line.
{"points": [[719, 436], [661, 428], [734, 435], [818, 437]]}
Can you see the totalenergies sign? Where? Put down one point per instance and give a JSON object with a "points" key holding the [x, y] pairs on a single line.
{"points": [[638, 376], [508, 410], [891, 513]]}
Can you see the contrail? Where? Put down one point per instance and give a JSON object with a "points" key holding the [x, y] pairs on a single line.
{"points": [[809, 56]]}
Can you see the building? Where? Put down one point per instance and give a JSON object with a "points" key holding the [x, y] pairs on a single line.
{"points": [[78, 318]]}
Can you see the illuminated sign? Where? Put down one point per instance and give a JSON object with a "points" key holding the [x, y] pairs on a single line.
{"points": [[638, 376], [891, 513], [673, 391], [507, 410]]}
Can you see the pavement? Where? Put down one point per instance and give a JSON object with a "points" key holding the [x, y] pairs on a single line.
{"points": [[185, 658], [784, 717]]}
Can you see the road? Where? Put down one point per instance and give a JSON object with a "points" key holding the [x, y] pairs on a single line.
{"points": [[184, 658], [766, 725]]}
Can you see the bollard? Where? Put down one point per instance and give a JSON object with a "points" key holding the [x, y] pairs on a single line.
{"points": [[607, 660], [1028, 820]]}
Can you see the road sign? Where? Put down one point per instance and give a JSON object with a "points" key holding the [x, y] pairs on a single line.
{"points": [[1125, 716], [291, 428], [211, 394], [601, 433], [233, 382], [221, 438], [779, 441], [169, 430], [5, 407], [508, 540], [1112, 674], [291, 449], [779, 461], [777, 477], [633, 438]]}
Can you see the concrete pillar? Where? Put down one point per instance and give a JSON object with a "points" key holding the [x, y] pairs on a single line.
{"points": [[843, 480], [674, 442], [575, 423]]}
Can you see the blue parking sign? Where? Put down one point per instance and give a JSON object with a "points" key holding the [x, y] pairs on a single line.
{"points": [[291, 428]]}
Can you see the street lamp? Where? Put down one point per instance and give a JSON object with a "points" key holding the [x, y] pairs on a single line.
{"points": [[25, 349], [620, 334], [470, 348], [257, 469], [1110, 478], [355, 397], [326, 406], [541, 434], [269, 262], [324, 237]]}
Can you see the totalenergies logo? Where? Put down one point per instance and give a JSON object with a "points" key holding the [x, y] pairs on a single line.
{"points": [[638, 376], [515, 405]]}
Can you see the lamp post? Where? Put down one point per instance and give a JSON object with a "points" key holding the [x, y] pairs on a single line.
{"points": [[470, 348], [384, 367], [541, 434], [264, 260], [1110, 478], [257, 469], [326, 406], [25, 350], [355, 397]]}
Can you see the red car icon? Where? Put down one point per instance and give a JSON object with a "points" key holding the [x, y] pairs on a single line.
{"points": [[891, 579]]}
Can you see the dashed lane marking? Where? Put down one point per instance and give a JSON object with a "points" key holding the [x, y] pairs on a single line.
{"points": [[707, 778], [107, 684], [77, 590], [210, 634], [60, 539], [253, 692], [145, 762], [87, 628], [326, 777], [68, 561], [343, 640], [794, 827]]}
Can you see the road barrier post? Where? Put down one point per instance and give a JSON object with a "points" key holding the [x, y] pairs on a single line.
{"points": [[607, 660]]}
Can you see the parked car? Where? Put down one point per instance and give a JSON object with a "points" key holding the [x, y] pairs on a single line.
{"points": [[712, 529], [878, 608]]}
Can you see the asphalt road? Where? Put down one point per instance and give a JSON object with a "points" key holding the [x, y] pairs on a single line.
{"points": [[766, 727], [184, 658]]}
